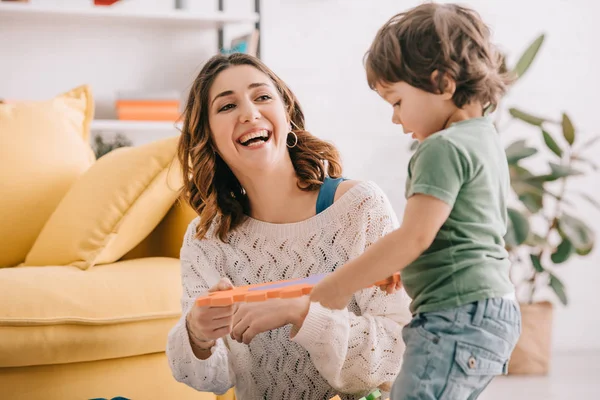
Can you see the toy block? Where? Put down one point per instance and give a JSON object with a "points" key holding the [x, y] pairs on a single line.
{"points": [[376, 394], [285, 289]]}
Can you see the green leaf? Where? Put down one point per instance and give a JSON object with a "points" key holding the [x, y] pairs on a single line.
{"points": [[563, 252], [519, 172], [568, 129], [584, 252], [533, 202], [518, 228], [551, 143], [517, 151], [562, 171], [535, 261], [559, 289], [535, 240], [577, 232], [590, 199], [527, 57], [526, 117]]}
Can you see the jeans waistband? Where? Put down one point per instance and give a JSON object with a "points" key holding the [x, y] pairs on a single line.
{"points": [[504, 308]]}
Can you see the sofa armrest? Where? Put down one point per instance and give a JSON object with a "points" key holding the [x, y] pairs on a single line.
{"points": [[166, 239]]}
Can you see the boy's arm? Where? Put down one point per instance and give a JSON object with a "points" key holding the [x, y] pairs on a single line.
{"points": [[424, 215]]}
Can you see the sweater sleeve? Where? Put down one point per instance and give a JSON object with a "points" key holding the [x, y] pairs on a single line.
{"points": [[356, 353], [215, 373]]}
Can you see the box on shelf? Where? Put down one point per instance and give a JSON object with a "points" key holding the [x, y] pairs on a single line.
{"points": [[148, 106]]}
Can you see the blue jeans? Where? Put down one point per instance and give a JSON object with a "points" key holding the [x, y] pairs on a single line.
{"points": [[455, 353]]}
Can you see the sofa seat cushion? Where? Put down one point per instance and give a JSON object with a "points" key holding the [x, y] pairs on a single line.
{"points": [[54, 315]]}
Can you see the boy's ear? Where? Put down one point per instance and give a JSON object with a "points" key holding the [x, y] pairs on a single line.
{"points": [[445, 84]]}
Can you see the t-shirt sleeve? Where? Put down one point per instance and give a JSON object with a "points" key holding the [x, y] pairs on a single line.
{"points": [[437, 169]]}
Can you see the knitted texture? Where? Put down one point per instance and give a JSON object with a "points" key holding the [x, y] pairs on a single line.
{"points": [[348, 351]]}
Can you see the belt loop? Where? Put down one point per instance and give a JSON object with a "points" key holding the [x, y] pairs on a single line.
{"points": [[479, 311]]}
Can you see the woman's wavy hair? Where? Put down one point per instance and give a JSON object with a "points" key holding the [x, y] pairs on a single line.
{"points": [[447, 38], [209, 185]]}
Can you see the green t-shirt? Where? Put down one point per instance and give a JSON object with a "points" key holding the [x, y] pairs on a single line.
{"points": [[465, 166]]}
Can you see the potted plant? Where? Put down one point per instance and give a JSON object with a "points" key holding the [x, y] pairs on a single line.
{"points": [[544, 229], [101, 146]]}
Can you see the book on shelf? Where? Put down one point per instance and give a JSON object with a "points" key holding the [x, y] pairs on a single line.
{"points": [[247, 44], [148, 105]]}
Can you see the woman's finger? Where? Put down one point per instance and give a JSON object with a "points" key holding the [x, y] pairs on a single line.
{"points": [[223, 284], [220, 332], [238, 330], [218, 312]]}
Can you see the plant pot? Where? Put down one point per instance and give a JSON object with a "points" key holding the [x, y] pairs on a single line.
{"points": [[533, 350]]}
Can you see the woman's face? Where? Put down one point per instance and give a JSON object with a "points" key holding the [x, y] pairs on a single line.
{"points": [[248, 120]]}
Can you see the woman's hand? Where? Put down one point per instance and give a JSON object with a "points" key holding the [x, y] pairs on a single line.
{"points": [[206, 324], [250, 319]]}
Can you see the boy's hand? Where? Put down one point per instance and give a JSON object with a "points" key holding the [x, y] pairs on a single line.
{"points": [[392, 287], [329, 292]]}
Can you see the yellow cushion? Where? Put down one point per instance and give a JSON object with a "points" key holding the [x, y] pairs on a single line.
{"points": [[146, 377], [111, 208], [54, 315], [44, 150]]}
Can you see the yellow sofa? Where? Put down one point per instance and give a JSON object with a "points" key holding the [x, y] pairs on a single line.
{"points": [[89, 269]]}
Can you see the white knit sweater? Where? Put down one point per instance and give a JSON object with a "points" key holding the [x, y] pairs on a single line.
{"points": [[345, 351]]}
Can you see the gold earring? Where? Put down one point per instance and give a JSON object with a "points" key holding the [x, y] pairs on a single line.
{"points": [[295, 140]]}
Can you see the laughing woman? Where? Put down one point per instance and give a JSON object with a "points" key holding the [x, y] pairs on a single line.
{"points": [[271, 205]]}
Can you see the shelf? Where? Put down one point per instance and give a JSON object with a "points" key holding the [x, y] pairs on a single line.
{"points": [[123, 14], [115, 125]]}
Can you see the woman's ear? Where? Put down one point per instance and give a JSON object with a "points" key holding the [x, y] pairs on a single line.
{"points": [[445, 84]]}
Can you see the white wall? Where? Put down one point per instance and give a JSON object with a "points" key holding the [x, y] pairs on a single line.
{"points": [[317, 47]]}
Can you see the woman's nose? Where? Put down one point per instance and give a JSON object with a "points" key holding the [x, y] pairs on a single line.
{"points": [[249, 112]]}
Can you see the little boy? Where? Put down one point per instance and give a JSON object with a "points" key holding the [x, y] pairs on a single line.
{"points": [[435, 65]]}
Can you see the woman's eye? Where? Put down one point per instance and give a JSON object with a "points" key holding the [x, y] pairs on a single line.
{"points": [[226, 107], [264, 97], [396, 104]]}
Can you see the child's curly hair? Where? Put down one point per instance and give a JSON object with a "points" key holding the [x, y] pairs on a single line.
{"points": [[447, 38]]}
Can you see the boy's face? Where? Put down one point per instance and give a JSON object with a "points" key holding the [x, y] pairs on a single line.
{"points": [[419, 112]]}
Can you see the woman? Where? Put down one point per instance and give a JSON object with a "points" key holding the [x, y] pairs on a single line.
{"points": [[265, 192]]}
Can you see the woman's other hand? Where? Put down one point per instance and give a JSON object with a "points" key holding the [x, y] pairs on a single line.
{"points": [[250, 319], [208, 323]]}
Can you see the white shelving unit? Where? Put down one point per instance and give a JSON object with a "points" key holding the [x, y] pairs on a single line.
{"points": [[207, 20], [115, 125], [127, 15]]}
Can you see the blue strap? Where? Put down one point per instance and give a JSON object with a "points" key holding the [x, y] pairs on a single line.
{"points": [[327, 193]]}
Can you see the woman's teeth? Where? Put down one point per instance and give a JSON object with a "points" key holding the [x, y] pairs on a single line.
{"points": [[254, 138]]}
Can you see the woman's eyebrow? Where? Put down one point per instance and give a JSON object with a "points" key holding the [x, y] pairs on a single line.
{"points": [[230, 92]]}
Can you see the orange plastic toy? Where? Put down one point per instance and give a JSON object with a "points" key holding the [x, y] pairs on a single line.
{"points": [[274, 290]]}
